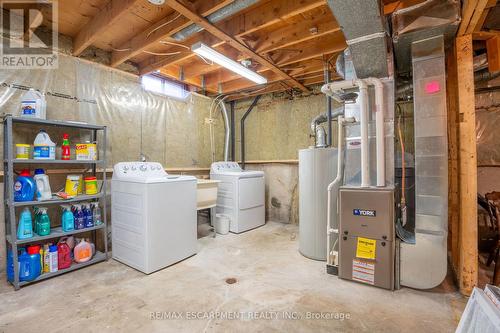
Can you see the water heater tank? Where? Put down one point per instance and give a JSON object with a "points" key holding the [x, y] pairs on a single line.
{"points": [[317, 169]]}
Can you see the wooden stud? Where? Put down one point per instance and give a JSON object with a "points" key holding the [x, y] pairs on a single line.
{"points": [[203, 22], [110, 14], [453, 184], [468, 262], [476, 17], [493, 53]]}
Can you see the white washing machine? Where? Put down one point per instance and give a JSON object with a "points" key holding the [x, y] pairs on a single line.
{"points": [[241, 195], [153, 216]]}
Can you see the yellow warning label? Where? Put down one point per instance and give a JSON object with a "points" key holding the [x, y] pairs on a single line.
{"points": [[366, 248]]}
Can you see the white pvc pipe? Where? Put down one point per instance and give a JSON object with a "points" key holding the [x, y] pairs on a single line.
{"points": [[329, 89], [379, 125], [227, 130]]}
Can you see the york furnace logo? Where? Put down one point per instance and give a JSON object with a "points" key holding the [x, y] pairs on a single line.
{"points": [[29, 34], [364, 212]]}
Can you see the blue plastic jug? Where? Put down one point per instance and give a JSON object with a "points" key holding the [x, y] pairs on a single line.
{"points": [[24, 187], [27, 267], [10, 266]]}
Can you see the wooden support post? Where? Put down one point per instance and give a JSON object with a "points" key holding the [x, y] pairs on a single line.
{"points": [[468, 262], [453, 189], [493, 52]]}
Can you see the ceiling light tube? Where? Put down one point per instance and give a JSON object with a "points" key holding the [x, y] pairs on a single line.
{"points": [[220, 59]]}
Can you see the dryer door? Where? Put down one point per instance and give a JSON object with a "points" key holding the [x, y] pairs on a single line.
{"points": [[251, 192]]}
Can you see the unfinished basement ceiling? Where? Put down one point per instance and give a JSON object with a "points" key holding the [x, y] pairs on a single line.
{"points": [[287, 41]]}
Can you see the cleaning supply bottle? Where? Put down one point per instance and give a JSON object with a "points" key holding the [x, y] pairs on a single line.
{"points": [[25, 226], [10, 266], [53, 258], [44, 222], [96, 213], [79, 217], [87, 213], [63, 254], [25, 271], [43, 147], [43, 191], [83, 251], [46, 258], [67, 218], [33, 105], [35, 266], [24, 187], [66, 150]]}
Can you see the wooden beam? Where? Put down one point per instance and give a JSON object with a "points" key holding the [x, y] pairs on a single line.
{"points": [[203, 22], [493, 53], [476, 17], [110, 14], [453, 146], [239, 26], [295, 34], [468, 263], [167, 26]]}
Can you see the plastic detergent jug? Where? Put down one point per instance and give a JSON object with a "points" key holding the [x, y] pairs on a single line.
{"points": [[83, 251], [43, 222], [87, 213], [35, 264], [67, 218], [96, 213], [28, 266], [10, 266], [24, 187], [53, 258], [79, 217], [63, 255], [43, 147], [33, 105], [43, 191], [25, 226]]}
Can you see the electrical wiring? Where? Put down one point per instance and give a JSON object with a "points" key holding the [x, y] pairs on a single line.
{"points": [[162, 25], [176, 44]]}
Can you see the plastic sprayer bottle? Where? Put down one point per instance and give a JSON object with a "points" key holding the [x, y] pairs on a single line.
{"points": [[67, 218], [79, 217], [96, 213], [87, 213], [43, 222], [25, 227]]}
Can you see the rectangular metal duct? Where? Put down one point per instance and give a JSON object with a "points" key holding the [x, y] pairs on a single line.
{"points": [[425, 20], [363, 25]]}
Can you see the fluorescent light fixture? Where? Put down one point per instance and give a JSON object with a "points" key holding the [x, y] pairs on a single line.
{"points": [[211, 54]]}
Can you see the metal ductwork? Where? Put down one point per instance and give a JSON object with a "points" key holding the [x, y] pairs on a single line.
{"points": [[215, 17], [425, 20], [363, 25]]}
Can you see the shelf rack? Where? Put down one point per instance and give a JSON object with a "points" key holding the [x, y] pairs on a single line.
{"points": [[13, 244]]}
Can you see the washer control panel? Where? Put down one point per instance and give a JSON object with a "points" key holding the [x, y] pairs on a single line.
{"points": [[219, 167], [138, 170]]}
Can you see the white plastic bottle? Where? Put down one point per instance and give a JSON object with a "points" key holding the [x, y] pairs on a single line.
{"points": [[43, 147], [43, 191], [33, 105]]}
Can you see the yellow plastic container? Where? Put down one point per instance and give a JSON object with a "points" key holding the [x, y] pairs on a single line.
{"points": [[90, 185], [22, 151], [72, 184]]}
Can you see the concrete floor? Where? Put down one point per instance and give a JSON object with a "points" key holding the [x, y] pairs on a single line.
{"points": [[273, 280]]}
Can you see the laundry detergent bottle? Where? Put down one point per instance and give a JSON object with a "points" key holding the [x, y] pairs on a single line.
{"points": [[24, 187], [25, 226], [67, 218], [43, 191], [43, 222]]}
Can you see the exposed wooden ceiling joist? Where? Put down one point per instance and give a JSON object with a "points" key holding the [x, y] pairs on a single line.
{"points": [[472, 12], [203, 22], [111, 13], [239, 26]]}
